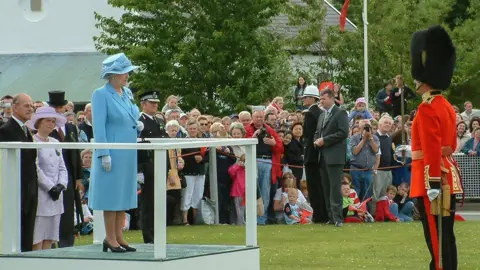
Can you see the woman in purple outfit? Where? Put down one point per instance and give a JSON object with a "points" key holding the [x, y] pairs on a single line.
{"points": [[52, 178]]}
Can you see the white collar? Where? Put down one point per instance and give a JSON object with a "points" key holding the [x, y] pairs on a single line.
{"points": [[148, 115], [18, 121], [381, 134], [329, 110]]}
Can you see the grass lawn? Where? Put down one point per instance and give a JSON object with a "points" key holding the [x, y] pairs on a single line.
{"points": [[369, 246]]}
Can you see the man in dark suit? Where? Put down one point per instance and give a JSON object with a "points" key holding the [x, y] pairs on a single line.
{"points": [[397, 96], [16, 131], [330, 140], [153, 128], [86, 125], [73, 162], [310, 99]]}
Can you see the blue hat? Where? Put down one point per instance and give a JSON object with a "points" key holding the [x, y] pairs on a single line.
{"points": [[117, 64]]}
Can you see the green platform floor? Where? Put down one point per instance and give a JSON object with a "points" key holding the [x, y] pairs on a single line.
{"points": [[144, 252]]}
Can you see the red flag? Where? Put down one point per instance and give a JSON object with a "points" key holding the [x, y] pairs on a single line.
{"points": [[343, 15]]}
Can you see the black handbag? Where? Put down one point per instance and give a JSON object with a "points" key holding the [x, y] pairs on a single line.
{"points": [[183, 181]]}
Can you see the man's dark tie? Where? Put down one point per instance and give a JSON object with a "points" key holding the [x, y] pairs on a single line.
{"points": [[61, 135]]}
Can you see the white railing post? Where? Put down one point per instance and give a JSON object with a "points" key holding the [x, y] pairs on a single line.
{"points": [[99, 233], [160, 201], [212, 171], [251, 195], [10, 204]]}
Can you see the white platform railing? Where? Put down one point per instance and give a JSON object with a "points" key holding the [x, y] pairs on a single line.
{"points": [[10, 186]]}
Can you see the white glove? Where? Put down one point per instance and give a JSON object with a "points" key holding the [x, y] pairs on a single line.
{"points": [[140, 178], [385, 99], [433, 193], [140, 126], [107, 163]]}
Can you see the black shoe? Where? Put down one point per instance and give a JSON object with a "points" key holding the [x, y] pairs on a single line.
{"points": [[128, 248], [330, 222], [338, 224], [107, 246]]}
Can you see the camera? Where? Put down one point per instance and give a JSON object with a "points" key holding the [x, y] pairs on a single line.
{"points": [[263, 133], [367, 128]]}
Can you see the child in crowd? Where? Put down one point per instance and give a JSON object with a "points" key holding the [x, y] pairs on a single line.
{"points": [[281, 198], [291, 209], [237, 173], [353, 194], [384, 206], [295, 212], [360, 109], [403, 207], [287, 138], [354, 212], [348, 204]]}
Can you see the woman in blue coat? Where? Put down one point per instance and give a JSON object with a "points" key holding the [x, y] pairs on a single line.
{"points": [[113, 179]]}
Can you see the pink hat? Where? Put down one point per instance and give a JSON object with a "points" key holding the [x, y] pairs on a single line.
{"points": [[360, 100], [46, 112]]}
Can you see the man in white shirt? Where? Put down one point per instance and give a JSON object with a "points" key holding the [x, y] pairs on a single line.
{"points": [[469, 112]]}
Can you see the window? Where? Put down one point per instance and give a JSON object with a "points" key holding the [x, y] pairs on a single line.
{"points": [[36, 5]]}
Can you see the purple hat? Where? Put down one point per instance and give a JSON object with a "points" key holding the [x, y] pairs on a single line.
{"points": [[360, 100], [46, 112]]}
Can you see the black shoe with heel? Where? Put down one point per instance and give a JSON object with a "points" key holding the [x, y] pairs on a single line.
{"points": [[107, 246], [128, 248]]}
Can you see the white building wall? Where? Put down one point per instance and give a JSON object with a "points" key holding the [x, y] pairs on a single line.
{"points": [[61, 26]]}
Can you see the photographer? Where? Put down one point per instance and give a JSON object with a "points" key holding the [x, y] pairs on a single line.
{"points": [[364, 150], [269, 150], [271, 120]]}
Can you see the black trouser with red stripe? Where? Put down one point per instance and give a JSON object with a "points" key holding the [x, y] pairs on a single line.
{"points": [[430, 230]]}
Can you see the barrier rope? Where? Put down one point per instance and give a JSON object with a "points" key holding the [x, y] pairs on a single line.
{"points": [[295, 166]]}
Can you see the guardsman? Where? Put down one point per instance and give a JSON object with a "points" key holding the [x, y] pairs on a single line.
{"points": [[435, 176], [153, 128]]}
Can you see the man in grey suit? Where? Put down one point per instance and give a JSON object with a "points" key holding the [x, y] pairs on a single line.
{"points": [[330, 140]]}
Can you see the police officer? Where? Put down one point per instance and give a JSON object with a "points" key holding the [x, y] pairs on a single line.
{"points": [[154, 128], [310, 100]]}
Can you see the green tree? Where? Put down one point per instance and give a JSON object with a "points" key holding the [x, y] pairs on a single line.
{"points": [[391, 25], [217, 55], [466, 77]]}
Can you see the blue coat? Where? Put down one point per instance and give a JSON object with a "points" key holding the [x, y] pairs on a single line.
{"points": [[469, 146], [114, 121]]}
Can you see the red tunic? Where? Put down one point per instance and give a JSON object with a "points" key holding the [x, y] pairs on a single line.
{"points": [[433, 142]]}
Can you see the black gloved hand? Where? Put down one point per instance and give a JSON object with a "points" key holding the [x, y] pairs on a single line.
{"points": [[54, 194], [59, 188]]}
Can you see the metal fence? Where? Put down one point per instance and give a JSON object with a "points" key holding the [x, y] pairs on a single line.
{"points": [[470, 170]]}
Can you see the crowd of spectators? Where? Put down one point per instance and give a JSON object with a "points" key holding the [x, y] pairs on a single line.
{"points": [[375, 185]]}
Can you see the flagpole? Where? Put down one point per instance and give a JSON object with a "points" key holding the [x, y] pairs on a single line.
{"points": [[365, 50]]}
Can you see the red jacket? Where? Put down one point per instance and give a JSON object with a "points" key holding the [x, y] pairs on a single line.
{"points": [[382, 212], [434, 138], [237, 174], [277, 150]]}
